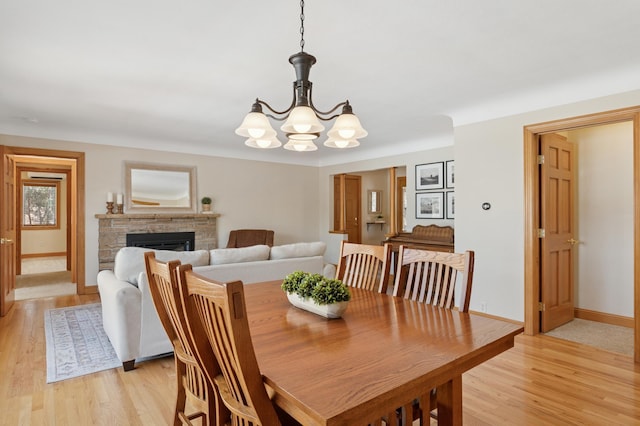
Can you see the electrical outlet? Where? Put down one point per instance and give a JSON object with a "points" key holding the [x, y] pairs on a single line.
{"points": [[483, 307]]}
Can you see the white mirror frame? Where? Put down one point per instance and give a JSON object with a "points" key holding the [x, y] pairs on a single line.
{"points": [[374, 201], [130, 207]]}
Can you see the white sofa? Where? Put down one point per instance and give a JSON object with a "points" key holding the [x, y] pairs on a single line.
{"points": [[129, 316]]}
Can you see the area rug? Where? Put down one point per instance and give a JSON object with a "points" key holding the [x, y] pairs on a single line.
{"points": [[76, 342], [612, 338]]}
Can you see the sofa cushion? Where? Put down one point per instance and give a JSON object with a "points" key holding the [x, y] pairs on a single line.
{"points": [[129, 261], [298, 250], [239, 255]]}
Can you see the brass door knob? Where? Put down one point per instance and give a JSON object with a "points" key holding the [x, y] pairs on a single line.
{"points": [[5, 241], [572, 241]]}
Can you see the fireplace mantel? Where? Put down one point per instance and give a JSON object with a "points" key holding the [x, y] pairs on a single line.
{"points": [[113, 230], [157, 216]]}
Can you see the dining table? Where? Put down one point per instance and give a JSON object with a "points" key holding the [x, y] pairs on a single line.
{"points": [[382, 354]]}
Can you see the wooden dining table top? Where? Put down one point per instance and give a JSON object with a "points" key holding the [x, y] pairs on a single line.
{"points": [[382, 353]]}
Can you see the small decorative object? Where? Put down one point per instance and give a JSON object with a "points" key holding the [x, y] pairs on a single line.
{"points": [[109, 202], [119, 204], [206, 204], [379, 219], [317, 294]]}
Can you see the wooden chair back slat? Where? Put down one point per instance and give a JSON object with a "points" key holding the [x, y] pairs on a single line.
{"points": [[364, 266]]}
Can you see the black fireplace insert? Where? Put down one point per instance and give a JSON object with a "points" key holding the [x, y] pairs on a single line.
{"points": [[176, 241]]}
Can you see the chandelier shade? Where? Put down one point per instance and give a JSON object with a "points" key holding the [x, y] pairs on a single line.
{"points": [[341, 143], [347, 126], [300, 145], [263, 143], [301, 119]]}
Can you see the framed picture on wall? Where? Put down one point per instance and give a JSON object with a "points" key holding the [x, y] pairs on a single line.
{"points": [[429, 176], [430, 205], [451, 205], [450, 176]]}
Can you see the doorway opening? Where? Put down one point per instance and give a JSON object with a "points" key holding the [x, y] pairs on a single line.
{"points": [[532, 135], [43, 258], [71, 164]]}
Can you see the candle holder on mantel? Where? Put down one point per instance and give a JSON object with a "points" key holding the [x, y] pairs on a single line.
{"points": [[120, 208], [109, 207]]}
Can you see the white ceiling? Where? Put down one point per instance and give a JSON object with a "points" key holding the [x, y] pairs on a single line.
{"points": [[181, 75]]}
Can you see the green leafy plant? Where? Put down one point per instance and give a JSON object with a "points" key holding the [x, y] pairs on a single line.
{"points": [[321, 290], [206, 200]]}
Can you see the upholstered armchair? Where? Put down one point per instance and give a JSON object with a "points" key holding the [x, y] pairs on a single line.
{"points": [[250, 237]]}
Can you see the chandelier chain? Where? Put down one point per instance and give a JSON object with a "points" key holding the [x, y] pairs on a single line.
{"points": [[302, 25]]}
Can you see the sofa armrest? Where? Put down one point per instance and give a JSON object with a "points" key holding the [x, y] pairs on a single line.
{"points": [[120, 314], [329, 270], [153, 338]]}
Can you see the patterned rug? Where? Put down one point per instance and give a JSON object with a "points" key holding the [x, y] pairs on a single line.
{"points": [[76, 342]]}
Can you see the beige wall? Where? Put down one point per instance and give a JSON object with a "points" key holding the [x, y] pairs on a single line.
{"points": [[296, 201], [247, 194], [325, 192], [489, 167]]}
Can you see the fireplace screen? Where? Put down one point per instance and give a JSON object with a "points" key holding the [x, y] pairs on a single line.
{"points": [[177, 241]]}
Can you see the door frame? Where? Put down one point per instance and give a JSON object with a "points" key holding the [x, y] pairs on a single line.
{"points": [[77, 202], [532, 208]]}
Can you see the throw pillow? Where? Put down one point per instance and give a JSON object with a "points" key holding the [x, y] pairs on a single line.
{"points": [[298, 250], [129, 261], [239, 255]]}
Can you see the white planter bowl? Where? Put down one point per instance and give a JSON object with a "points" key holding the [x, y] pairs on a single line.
{"points": [[333, 310]]}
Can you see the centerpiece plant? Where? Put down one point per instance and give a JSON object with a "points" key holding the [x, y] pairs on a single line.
{"points": [[315, 293], [320, 289]]}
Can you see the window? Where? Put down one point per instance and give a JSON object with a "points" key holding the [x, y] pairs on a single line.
{"points": [[40, 204]]}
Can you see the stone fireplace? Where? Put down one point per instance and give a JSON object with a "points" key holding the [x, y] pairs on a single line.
{"points": [[113, 230]]}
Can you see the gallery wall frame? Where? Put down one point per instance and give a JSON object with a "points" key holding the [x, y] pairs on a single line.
{"points": [[430, 205], [429, 176], [451, 204], [450, 176]]}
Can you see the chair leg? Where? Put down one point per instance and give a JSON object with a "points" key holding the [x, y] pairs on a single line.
{"points": [[181, 397]]}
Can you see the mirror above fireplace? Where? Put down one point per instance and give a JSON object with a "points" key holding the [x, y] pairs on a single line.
{"points": [[158, 188]]}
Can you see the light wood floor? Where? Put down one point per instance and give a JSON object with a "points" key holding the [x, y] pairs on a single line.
{"points": [[541, 381]]}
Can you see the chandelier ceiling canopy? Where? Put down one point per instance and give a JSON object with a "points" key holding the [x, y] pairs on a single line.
{"points": [[302, 125]]}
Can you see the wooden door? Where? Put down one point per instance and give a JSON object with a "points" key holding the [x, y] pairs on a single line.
{"points": [[7, 233], [353, 207], [557, 221]]}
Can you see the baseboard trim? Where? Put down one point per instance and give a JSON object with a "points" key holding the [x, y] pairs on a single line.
{"points": [[484, 314], [612, 319], [31, 255]]}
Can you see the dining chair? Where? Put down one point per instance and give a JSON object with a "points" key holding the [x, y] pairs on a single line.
{"points": [[217, 320], [192, 384], [250, 237], [364, 266], [431, 277]]}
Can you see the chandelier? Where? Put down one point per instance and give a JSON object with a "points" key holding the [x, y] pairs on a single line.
{"points": [[302, 125]]}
